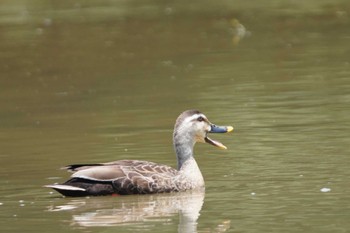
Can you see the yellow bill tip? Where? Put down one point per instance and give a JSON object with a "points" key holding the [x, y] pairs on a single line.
{"points": [[229, 129]]}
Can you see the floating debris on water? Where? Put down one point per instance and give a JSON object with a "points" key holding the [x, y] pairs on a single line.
{"points": [[54, 178], [325, 190]]}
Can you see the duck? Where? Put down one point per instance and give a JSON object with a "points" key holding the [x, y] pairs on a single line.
{"points": [[125, 177]]}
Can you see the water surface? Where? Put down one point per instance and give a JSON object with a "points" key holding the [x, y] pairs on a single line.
{"points": [[97, 82]]}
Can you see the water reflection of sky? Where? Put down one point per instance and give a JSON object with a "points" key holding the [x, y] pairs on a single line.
{"points": [[136, 210]]}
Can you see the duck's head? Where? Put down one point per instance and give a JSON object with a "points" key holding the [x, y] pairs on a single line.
{"points": [[193, 126]]}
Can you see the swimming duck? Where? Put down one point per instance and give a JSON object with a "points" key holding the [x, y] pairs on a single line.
{"points": [[143, 177]]}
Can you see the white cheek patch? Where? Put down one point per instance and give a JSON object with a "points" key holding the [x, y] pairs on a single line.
{"points": [[191, 124], [195, 117], [191, 118], [192, 121]]}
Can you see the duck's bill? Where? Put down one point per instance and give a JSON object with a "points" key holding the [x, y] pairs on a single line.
{"points": [[218, 129], [215, 143]]}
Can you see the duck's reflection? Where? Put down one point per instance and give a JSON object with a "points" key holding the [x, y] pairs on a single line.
{"points": [[127, 210]]}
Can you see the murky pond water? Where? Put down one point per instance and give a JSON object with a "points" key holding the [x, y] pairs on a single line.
{"points": [[101, 81]]}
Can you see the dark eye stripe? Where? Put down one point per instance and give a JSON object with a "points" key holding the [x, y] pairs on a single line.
{"points": [[200, 119]]}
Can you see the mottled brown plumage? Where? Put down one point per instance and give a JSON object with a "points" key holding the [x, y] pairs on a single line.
{"points": [[143, 177], [129, 176]]}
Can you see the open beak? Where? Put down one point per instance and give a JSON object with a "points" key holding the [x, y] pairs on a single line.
{"points": [[218, 129]]}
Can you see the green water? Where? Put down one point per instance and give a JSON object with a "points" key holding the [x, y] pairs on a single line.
{"points": [[90, 81]]}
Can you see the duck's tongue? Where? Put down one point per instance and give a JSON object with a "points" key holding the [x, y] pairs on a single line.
{"points": [[218, 129]]}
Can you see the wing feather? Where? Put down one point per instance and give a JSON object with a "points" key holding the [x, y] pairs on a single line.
{"points": [[130, 176]]}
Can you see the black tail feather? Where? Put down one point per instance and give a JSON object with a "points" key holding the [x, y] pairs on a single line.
{"points": [[77, 167], [79, 187], [67, 191]]}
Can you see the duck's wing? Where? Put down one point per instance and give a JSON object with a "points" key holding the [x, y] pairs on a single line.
{"points": [[128, 176], [78, 167]]}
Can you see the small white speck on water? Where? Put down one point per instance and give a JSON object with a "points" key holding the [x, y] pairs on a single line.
{"points": [[21, 205], [168, 11], [53, 178], [20, 201], [325, 190], [1, 203], [126, 149], [47, 22], [301, 175], [39, 31], [253, 194]]}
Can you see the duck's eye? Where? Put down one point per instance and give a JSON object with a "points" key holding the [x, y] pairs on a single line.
{"points": [[200, 119]]}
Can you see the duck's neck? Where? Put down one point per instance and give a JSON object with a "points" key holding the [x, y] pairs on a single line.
{"points": [[184, 152], [189, 174]]}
